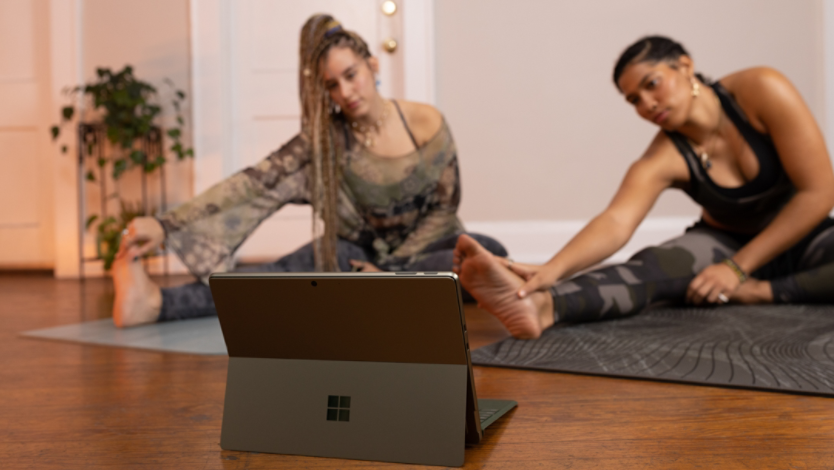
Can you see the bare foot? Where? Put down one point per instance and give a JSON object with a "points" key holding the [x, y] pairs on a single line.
{"points": [[495, 288], [138, 299], [753, 291]]}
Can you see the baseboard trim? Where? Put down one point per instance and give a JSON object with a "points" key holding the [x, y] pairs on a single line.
{"points": [[536, 241]]}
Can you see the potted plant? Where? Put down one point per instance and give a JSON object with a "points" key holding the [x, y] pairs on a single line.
{"points": [[129, 110]]}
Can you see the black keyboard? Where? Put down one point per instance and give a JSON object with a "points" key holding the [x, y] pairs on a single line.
{"points": [[486, 413]]}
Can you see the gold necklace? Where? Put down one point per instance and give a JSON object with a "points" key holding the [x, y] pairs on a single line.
{"points": [[704, 155], [365, 131]]}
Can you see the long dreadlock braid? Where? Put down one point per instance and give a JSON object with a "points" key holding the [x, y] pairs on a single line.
{"points": [[320, 124]]}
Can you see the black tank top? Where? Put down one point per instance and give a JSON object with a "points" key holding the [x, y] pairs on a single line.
{"points": [[748, 208]]}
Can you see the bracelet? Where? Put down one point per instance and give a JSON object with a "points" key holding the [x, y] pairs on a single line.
{"points": [[742, 276]]}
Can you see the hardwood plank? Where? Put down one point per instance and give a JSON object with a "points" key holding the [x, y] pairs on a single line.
{"points": [[65, 405]]}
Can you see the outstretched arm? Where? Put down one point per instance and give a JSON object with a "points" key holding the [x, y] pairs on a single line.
{"points": [[206, 230], [609, 231]]}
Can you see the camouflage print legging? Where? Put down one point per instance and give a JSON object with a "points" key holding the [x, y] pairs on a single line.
{"points": [[194, 299], [803, 274]]}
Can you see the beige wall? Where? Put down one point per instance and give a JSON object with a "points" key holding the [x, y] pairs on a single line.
{"points": [[543, 134], [152, 36]]}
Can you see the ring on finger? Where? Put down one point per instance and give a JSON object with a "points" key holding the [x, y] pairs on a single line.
{"points": [[723, 298], [510, 262]]}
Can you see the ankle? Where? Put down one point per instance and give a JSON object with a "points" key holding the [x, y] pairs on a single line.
{"points": [[544, 306], [155, 298], [765, 291]]}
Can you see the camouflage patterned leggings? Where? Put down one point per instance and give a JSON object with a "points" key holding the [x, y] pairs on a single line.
{"points": [[194, 300], [803, 274]]}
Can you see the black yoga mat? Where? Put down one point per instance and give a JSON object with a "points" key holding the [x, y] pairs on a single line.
{"points": [[782, 348]]}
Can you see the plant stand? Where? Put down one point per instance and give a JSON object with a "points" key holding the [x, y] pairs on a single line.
{"points": [[94, 145]]}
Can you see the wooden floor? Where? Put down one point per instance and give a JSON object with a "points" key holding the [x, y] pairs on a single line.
{"points": [[66, 405]]}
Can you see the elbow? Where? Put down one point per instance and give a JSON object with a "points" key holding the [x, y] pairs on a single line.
{"points": [[829, 200], [820, 200], [825, 198], [619, 231], [623, 234]]}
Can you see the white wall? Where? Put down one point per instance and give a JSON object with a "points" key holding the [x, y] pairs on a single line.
{"points": [[542, 133], [26, 226]]}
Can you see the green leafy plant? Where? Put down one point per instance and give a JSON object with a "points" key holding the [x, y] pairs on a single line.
{"points": [[129, 109]]}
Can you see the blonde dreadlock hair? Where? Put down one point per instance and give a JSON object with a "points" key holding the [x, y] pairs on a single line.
{"points": [[321, 125]]}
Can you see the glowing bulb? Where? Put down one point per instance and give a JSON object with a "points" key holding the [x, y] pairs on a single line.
{"points": [[389, 7]]}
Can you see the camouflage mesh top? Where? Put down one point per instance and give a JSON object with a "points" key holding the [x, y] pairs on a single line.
{"points": [[392, 207]]}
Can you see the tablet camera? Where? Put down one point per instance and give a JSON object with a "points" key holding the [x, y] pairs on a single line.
{"points": [[314, 283]]}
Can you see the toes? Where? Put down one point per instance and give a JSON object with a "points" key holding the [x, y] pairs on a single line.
{"points": [[467, 246]]}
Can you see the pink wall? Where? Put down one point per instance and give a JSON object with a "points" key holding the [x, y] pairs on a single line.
{"points": [[526, 86], [153, 36]]}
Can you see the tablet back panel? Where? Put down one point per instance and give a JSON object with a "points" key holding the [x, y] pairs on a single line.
{"points": [[367, 367]]}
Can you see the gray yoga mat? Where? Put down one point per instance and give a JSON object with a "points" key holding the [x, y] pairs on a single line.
{"points": [[781, 348], [198, 336]]}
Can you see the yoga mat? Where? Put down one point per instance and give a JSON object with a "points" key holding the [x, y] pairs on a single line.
{"points": [[198, 336], [781, 348]]}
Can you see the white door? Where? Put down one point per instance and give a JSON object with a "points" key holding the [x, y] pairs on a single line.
{"points": [[26, 234], [246, 87]]}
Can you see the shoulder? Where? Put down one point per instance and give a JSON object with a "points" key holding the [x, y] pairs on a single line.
{"points": [[424, 120], [749, 82], [290, 157], [297, 146], [762, 92]]}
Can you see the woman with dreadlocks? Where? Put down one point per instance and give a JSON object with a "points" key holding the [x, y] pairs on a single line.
{"points": [[381, 176], [745, 148]]}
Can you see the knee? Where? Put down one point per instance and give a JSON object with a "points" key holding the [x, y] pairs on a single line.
{"points": [[673, 261], [347, 251], [351, 250], [820, 251]]}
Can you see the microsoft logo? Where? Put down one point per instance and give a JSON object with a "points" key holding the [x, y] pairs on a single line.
{"points": [[338, 408]]}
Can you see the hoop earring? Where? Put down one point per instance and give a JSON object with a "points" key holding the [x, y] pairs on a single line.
{"points": [[696, 88]]}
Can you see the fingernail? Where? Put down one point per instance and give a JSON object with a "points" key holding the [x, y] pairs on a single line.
{"points": [[521, 293]]}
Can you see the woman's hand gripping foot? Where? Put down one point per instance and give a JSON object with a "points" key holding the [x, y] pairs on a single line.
{"points": [[138, 298], [496, 290]]}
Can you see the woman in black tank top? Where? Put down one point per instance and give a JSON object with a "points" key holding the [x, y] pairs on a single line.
{"points": [[745, 148]]}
